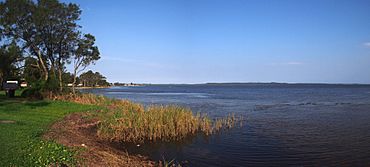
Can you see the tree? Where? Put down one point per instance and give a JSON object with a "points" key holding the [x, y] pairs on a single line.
{"points": [[87, 78], [47, 31], [18, 23], [103, 82], [59, 33], [86, 53], [90, 79], [68, 78], [98, 78], [10, 56], [31, 72]]}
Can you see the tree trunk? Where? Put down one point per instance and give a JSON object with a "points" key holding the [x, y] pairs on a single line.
{"points": [[53, 65], [60, 73], [53, 73], [45, 70], [1, 81], [74, 81]]}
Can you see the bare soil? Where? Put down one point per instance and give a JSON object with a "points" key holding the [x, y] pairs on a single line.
{"points": [[78, 130]]}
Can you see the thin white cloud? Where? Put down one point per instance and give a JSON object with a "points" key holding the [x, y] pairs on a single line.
{"points": [[367, 44], [294, 63], [291, 63]]}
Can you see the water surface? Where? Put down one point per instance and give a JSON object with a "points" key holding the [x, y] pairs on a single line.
{"points": [[303, 124]]}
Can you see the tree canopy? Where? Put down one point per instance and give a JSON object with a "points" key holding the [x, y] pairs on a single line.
{"points": [[90, 79], [48, 38], [9, 64]]}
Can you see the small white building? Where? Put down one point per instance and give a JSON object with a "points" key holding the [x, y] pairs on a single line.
{"points": [[24, 85], [12, 82]]}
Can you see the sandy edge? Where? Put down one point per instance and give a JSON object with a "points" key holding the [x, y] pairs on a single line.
{"points": [[78, 130]]}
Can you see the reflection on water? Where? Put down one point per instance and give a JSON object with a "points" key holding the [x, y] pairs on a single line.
{"points": [[313, 125]]}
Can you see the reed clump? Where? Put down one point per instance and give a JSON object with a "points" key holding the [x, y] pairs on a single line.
{"points": [[227, 122], [152, 123], [126, 121], [83, 98]]}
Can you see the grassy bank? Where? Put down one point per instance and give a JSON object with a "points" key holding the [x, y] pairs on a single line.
{"points": [[22, 125], [126, 121]]}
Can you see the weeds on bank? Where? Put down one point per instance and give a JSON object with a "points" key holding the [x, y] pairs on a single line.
{"points": [[126, 121], [46, 153], [168, 163]]}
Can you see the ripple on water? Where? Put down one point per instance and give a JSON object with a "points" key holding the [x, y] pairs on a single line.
{"points": [[286, 125]]}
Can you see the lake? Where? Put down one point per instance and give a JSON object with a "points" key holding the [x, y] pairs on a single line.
{"points": [[286, 124]]}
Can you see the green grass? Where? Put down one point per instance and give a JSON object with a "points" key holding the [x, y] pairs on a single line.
{"points": [[17, 93], [21, 143]]}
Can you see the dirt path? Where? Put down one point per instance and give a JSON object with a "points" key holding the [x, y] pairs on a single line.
{"points": [[77, 130]]}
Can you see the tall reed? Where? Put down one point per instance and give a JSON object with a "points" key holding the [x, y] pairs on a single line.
{"points": [[126, 121]]}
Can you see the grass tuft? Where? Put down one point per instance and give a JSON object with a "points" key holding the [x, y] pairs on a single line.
{"points": [[126, 121]]}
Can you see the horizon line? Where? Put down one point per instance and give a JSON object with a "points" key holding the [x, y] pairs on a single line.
{"points": [[288, 83]]}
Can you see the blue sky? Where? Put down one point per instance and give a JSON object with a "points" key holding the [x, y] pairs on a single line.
{"points": [[198, 41]]}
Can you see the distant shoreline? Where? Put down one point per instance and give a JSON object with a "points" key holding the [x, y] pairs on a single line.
{"points": [[92, 87], [242, 84], [262, 84], [282, 83]]}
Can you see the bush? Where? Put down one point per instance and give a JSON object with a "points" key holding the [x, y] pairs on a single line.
{"points": [[32, 93], [43, 89], [50, 85]]}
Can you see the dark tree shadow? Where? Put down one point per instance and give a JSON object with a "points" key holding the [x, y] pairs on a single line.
{"points": [[7, 101], [37, 104]]}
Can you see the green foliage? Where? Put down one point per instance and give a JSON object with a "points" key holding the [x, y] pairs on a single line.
{"points": [[21, 143], [38, 89], [68, 78], [91, 79], [31, 73], [48, 33], [33, 92], [46, 153], [51, 85], [10, 56], [170, 163], [41, 89], [87, 53]]}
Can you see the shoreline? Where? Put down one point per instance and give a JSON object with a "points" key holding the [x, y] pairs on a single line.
{"points": [[75, 132], [68, 136], [90, 87]]}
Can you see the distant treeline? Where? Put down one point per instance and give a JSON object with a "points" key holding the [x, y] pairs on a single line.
{"points": [[91, 79], [128, 84]]}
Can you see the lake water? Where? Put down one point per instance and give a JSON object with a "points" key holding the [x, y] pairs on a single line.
{"points": [[286, 125]]}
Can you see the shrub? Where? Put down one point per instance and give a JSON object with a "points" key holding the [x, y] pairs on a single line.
{"points": [[44, 89]]}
